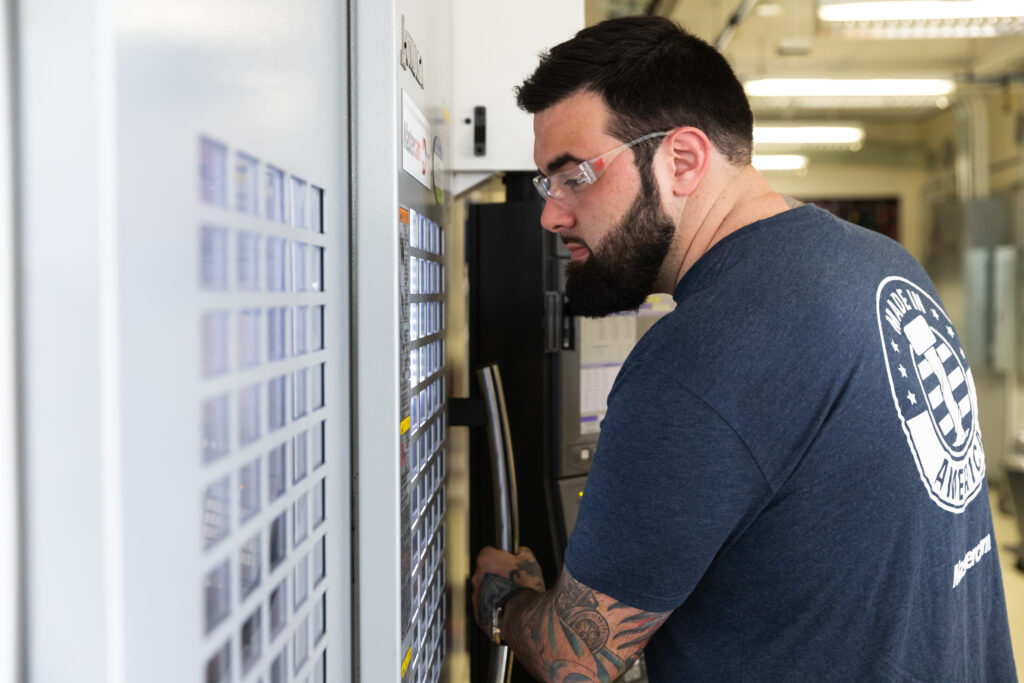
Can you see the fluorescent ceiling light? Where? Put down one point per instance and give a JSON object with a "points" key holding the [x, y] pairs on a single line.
{"points": [[849, 87], [849, 134], [920, 10], [780, 162], [914, 19]]}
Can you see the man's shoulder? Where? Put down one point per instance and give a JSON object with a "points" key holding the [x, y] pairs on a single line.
{"points": [[674, 355]]}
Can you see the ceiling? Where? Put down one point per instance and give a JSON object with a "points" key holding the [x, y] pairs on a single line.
{"points": [[779, 38]]}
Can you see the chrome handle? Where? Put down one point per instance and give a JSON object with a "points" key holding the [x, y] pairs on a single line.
{"points": [[501, 664], [506, 507]]}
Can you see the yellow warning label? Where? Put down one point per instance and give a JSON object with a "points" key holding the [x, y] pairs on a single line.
{"points": [[405, 664], [406, 423]]}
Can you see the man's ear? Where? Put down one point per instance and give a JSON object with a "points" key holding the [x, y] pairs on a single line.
{"points": [[689, 156]]}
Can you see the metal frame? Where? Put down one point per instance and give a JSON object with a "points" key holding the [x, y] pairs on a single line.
{"points": [[10, 475], [64, 511], [376, 162]]}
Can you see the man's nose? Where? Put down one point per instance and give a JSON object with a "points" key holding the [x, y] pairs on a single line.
{"points": [[556, 217]]}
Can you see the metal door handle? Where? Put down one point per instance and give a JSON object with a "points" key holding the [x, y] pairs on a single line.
{"points": [[503, 471], [506, 507]]}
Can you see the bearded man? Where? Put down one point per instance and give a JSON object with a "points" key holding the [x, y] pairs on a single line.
{"points": [[789, 482]]}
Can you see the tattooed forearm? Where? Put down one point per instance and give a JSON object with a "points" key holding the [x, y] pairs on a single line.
{"points": [[578, 609], [573, 634]]}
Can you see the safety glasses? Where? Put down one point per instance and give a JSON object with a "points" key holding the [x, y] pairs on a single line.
{"points": [[564, 188]]}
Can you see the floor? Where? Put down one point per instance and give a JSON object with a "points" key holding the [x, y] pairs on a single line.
{"points": [[1008, 538]]}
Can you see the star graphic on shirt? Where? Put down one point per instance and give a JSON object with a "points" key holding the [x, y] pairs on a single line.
{"points": [[935, 314], [903, 371], [912, 398], [895, 347], [949, 331]]}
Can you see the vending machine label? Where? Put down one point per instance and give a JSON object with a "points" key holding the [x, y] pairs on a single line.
{"points": [[415, 150]]}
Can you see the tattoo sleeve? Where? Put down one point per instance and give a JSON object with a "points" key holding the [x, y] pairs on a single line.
{"points": [[574, 634]]}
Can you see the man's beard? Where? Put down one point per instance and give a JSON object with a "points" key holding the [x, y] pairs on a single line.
{"points": [[620, 273]]}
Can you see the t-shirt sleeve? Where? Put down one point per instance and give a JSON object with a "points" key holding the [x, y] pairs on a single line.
{"points": [[670, 485]]}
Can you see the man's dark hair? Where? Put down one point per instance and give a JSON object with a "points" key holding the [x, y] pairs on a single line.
{"points": [[653, 76]]}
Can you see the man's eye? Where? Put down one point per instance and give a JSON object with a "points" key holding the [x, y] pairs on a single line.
{"points": [[572, 183]]}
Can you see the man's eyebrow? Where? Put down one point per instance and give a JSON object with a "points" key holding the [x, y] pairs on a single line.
{"points": [[562, 160]]}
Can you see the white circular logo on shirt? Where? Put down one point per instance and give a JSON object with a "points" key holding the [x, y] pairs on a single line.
{"points": [[933, 389]]}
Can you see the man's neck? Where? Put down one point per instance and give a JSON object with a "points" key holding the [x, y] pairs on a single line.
{"points": [[726, 204]]}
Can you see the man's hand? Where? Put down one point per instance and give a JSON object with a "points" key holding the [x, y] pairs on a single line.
{"points": [[499, 573]]}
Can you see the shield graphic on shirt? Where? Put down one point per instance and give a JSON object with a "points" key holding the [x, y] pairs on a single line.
{"points": [[933, 391]]}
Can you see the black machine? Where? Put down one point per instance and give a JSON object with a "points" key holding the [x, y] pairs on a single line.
{"points": [[521, 321]]}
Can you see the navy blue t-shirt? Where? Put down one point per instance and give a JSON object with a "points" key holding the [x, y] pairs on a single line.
{"points": [[791, 461]]}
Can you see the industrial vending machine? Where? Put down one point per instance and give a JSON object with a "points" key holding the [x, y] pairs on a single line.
{"points": [[183, 192], [402, 59], [433, 114]]}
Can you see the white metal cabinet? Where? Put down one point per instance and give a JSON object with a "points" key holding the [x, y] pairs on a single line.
{"points": [[185, 224], [497, 45]]}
